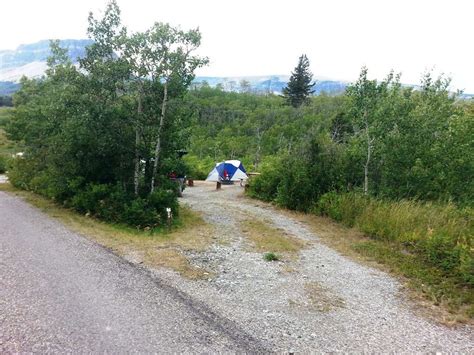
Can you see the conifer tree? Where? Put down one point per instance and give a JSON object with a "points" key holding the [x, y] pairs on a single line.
{"points": [[300, 86]]}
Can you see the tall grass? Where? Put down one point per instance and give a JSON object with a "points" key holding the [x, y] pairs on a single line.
{"points": [[441, 235]]}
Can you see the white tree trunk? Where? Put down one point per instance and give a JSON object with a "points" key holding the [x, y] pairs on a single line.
{"points": [[257, 153], [136, 174], [369, 154], [158, 140]]}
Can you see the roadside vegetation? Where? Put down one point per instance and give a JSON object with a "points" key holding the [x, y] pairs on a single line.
{"points": [[7, 147], [158, 247], [105, 137]]}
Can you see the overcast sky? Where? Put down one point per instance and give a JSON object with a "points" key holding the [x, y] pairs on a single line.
{"points": [[262, 37]]}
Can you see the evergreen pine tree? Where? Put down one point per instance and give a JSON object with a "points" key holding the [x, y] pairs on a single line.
{"points": [[299, 87]]}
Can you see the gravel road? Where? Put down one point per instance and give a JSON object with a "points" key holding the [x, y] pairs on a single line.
{"points": [[322, 301], [60, 292]]}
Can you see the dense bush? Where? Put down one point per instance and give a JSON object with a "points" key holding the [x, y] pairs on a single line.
{"points": [[441, 234], [3, 163], [197, 168], [112, 203], [297, 180], [91, 137], [265, 186], [105, 201]]}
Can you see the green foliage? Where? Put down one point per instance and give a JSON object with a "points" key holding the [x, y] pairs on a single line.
{"points": [[297, 180], [6, 101], [266, 185], [299, 87], [442, 235], [388, 140], [270, 257], [92, 140], [198, 169], [3, 164]]}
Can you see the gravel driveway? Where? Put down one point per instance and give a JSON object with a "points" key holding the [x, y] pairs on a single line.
{"points": [[62, 293], [320, 302]]}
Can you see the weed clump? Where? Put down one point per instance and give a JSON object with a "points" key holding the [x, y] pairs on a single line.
{"points": [[271, 257]]}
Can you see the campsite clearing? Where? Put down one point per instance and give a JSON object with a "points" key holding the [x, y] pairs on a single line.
{"points": [[318, 299]]}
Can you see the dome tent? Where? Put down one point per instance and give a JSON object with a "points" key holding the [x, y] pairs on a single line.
{"points": [[229, 170]]}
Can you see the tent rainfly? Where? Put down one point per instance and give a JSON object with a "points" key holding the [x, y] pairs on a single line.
{"points": [[229, 170]]}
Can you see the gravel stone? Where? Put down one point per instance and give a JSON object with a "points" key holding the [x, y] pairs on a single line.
{"points": [[61, 293], [357, 308]]}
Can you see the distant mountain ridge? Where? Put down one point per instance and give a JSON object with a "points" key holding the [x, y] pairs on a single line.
{"points": [[267, 84], [38, 52], [30, 60]]}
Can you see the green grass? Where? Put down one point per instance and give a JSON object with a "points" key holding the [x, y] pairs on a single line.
{"points": [[429, 244], [270, 257]]}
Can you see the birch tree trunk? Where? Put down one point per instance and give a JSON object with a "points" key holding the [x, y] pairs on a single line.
{"points": [[369, 153], [257, 153], [136, 174], [158, 140]]}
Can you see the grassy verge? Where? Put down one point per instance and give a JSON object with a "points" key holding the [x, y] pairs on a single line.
{"points": [[266, 238], [439, 296], [157, 248]]}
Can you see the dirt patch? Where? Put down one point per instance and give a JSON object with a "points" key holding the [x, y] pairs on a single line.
{"points": [[321, 298], [174, 259], [266, 238]]}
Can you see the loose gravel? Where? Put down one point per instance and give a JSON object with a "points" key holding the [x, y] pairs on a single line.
{"points": [[62, 293], [322, 301]]}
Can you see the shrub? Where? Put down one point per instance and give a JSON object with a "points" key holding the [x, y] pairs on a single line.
{"points": [[3, 164], [108, 202], [198, 169], [270, 257], [265, 186], [296, 190], [21, 173], [343, 208], [112, 203]]}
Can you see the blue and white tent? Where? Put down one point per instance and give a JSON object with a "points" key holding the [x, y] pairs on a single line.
{"points": [[229, 170]]}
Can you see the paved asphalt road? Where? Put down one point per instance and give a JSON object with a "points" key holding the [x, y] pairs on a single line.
{"points": [[60, 292]]}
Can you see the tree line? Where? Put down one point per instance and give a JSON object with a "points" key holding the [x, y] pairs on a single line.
{"points": [[380, 137], [395, 162], [103, 138]]}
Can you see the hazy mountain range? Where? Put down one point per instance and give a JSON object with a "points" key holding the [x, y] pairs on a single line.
{"points": [[30, 60]]}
